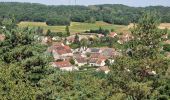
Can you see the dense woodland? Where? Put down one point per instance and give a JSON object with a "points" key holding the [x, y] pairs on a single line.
{"points": [[25, 73], [62, 15]]}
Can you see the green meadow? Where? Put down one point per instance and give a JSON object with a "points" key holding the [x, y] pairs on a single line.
{"points": [[76, 26]]}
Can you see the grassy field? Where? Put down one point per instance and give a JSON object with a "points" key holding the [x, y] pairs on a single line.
{"points": [[76, 26]]}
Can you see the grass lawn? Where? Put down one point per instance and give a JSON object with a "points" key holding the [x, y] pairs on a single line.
{"points": [[76, 26]]}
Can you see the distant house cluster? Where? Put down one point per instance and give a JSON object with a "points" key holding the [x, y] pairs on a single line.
{"points": [[93, 57], [67, 59]]}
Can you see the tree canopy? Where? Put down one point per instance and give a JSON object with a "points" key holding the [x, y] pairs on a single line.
{"points": [[62, 15]]}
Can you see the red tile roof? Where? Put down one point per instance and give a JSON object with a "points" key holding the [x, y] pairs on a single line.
{"points": [[62, 64], [61, 48], [112, 34]]}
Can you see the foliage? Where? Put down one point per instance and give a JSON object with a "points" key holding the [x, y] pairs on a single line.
{"points": [[67, 31], [166, 47], [99, 31], [25, 73], [58, 21], [62, 15]]}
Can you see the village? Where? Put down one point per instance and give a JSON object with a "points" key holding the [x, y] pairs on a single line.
{"points": [[83, 58], [66, 57]]}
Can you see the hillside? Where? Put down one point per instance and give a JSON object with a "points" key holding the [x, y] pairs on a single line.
{"points": [[63, 15]]}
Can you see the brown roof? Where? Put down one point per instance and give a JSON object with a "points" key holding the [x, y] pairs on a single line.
{"points": [[93, 60], [81, 60], [104, 68], [76, 55], [62, 64], [112, 34], [94, 55], [71, 38], [2, 37], [61, 49]]}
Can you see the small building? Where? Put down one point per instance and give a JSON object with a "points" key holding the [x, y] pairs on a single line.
{"points": [[45, 40], [165, 36], [2, 37], [70, 39], [104, 69], [56, 38], [125, 38], [64, 66], [100, 35], [108, 52], [80, 61], [97, 62], [112, 34], [60, 51]]}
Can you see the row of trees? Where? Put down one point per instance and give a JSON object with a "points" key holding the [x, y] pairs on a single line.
{"points": [[62, 15]]}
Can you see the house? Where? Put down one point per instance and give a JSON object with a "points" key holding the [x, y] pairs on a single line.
{"points": [[64, 66], [165, 36], [95, 55], [45, 39], [108, 52], [70, 39], [87, 36], [104, 69], [56, 38], [167, 42], [100, 35], [82, 50], [80, 61], [2, 37], [61, 51], [79, 54], [94, 50], [167, 54], [112, 34], [125, 38], [97, 61]]}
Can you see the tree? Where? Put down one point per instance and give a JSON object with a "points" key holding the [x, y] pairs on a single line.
{"points": [[39, 30], [147, 37], [72, 61], [67, 30], [76, 39], [166, 47], [13, 85], [112, 30], [84, 43], [48, 33], [58, 21]]}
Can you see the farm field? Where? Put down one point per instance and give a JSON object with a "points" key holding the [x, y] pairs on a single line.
{"points": [[81, 27], [76, 26]]}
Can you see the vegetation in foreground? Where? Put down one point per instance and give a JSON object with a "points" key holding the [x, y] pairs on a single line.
{"points": [[25, 73]]}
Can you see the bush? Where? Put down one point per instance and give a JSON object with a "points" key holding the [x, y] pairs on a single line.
{"points": [[166, 47]]}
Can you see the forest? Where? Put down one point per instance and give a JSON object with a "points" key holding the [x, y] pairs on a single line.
{"points": [[25, 73], [63, 15]]}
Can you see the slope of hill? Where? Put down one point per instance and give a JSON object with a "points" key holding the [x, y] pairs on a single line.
{"points": [[117, 14]]}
